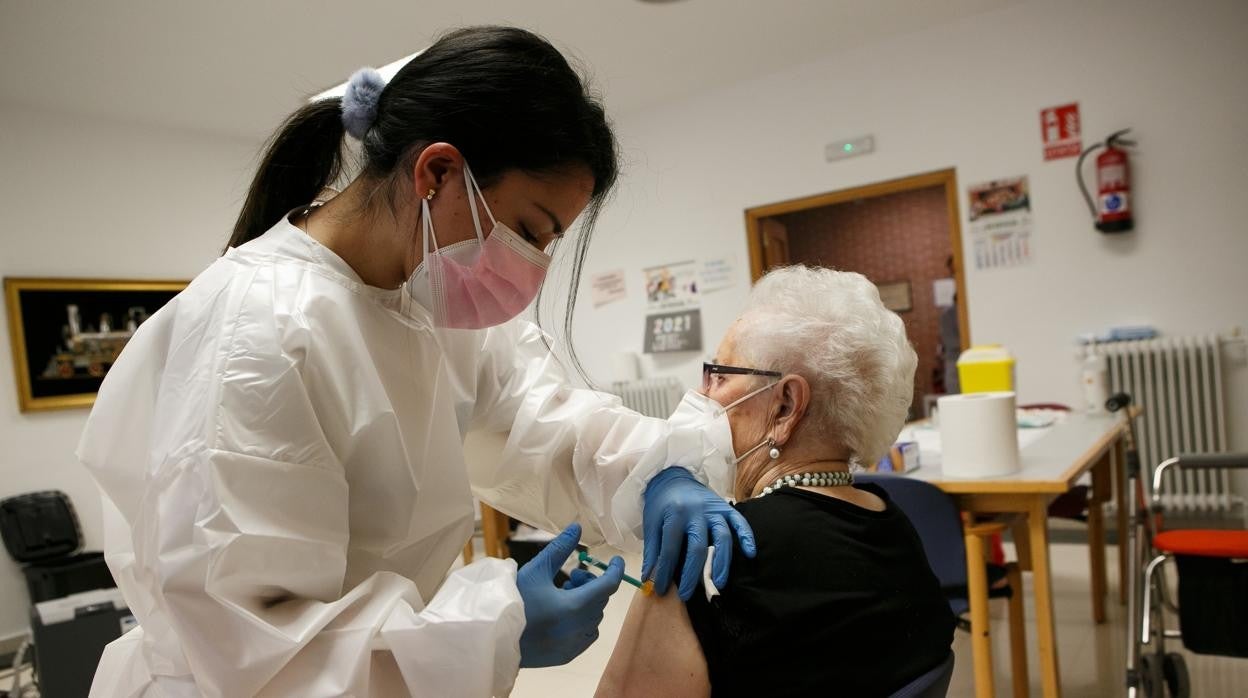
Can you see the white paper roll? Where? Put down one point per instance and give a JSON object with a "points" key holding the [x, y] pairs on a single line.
{"points": [[625, 366], [978, 435]]}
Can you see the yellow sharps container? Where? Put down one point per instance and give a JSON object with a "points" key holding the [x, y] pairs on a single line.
{"points": [[987, 368]]}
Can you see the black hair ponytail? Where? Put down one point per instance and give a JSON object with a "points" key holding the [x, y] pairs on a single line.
{"points": [[300, 160]]}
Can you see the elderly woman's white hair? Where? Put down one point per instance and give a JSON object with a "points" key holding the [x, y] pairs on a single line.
{"points": [[831, 328]]}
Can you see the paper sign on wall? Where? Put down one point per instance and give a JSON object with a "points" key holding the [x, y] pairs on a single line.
{"points": [[672, 286], [1060, 130], [608, 287], [718, 274], [1000, 213], [943, 290]]}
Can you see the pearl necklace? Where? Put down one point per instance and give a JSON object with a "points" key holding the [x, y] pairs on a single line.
{"points": [[840, 478]]}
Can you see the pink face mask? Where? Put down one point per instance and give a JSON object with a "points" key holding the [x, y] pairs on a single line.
{"points": [[479, 283]]}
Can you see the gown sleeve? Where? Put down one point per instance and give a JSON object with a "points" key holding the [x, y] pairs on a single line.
{"points": [[571, 453]]}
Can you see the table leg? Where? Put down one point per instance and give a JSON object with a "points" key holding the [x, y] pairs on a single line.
{"points": [[1018, 633], [1101, 478], [1119, 467], [1022, 543], [1042, 580], [977, 591], [494, 531]]}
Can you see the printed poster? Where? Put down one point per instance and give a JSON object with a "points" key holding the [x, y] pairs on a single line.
{"points": [[671, 286], [673, 313], [678, 331]]}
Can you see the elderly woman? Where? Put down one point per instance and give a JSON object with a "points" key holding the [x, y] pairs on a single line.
{"points": [[840, 599]]}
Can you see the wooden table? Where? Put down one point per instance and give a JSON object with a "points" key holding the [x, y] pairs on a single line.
{"points": [[1050, 466]]}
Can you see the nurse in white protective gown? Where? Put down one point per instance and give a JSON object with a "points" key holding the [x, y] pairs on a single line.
{"points": [[279, 448]]}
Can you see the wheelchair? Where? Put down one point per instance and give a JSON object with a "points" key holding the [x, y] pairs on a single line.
{"points": [[1211, 598]]}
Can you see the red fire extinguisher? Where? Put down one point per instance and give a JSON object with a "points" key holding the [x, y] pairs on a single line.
{"points": [[1112, 208]]}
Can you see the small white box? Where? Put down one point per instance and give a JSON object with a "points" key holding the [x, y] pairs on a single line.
{"points": [[903, 457]]}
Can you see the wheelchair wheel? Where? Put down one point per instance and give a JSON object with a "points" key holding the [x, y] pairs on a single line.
{"points": [[1174, 669], [1152, 678]]}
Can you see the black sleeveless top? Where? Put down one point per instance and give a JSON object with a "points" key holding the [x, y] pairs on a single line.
{"points": [[839, 601]]}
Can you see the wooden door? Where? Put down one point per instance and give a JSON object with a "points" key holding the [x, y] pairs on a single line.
{"points": [[775, 244]]}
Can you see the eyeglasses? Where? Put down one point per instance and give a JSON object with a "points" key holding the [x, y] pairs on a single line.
{"points": [[709, 370]]}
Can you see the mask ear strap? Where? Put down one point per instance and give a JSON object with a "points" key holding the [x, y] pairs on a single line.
{"points": [[770, 440], [747, 396], [765, 442], [426, 229], [470, 183]]}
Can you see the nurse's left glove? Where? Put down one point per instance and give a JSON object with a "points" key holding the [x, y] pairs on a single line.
{"points": [[559, 624], [678, 510]]}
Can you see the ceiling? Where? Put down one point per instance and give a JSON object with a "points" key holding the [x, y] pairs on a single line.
{"points": [[237, 67]]}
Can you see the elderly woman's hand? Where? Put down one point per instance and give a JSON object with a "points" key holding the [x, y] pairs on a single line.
{"points": [[679, 509]]}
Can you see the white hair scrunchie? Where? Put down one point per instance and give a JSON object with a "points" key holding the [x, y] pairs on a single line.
{"points": [[359, 102]]}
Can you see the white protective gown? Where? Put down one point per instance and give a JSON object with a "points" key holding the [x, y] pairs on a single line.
{"points": [[280, 455]]}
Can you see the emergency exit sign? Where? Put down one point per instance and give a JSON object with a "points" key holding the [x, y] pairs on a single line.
{"points": [[1059, 128]]}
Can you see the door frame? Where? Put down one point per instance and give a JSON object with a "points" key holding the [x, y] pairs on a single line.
{"points": [[948, 179]]}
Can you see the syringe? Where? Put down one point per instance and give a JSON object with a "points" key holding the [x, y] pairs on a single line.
{"points": [[646, 587]]}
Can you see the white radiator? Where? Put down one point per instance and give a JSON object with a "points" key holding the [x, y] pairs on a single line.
{"points": [[1177, 381], [653, 397]]}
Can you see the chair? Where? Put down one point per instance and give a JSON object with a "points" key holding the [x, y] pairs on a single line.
{"points": [[956, 553], [1212, 587], [933, 684]]}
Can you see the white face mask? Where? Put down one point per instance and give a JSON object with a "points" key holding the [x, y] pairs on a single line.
{"points": [[699, 411]]}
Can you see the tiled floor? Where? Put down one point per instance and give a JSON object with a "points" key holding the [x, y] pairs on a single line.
{"points": [[1092, 656], [6, 680]]}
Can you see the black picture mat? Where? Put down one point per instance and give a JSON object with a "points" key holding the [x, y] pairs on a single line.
{"points": [[44, 316]]}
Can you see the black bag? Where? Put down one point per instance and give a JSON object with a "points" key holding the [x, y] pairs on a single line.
{"points": [[42, 533], [1213, 605], [39, 526]]}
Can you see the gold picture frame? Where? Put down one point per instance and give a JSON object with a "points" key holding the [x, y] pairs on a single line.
{"points": [[61, 355]]}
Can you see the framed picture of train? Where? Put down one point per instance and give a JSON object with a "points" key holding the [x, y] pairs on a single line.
{"points": [[66, 333]]}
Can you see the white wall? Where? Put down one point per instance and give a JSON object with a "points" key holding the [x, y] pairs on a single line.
{"points": [[968, 95], [87, 199]]}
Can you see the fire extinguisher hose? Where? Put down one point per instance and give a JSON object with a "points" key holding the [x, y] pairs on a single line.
{"points": [[1087, 196]]}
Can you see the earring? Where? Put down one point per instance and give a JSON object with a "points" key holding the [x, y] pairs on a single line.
{"points": [[429, 195], [775, 450]]}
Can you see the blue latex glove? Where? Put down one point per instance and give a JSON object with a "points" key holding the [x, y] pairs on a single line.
{"points": [[559, 624], [578, 578], [680, 510]]}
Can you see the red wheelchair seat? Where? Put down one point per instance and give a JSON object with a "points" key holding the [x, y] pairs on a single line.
{"points": [[1203, 542]]}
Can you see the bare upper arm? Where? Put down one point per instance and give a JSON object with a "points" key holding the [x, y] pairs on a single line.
{"points": [[657, 653]]}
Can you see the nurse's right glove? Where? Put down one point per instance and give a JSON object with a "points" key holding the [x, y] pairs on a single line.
{"points": [[679, 512], [559, 624]]}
